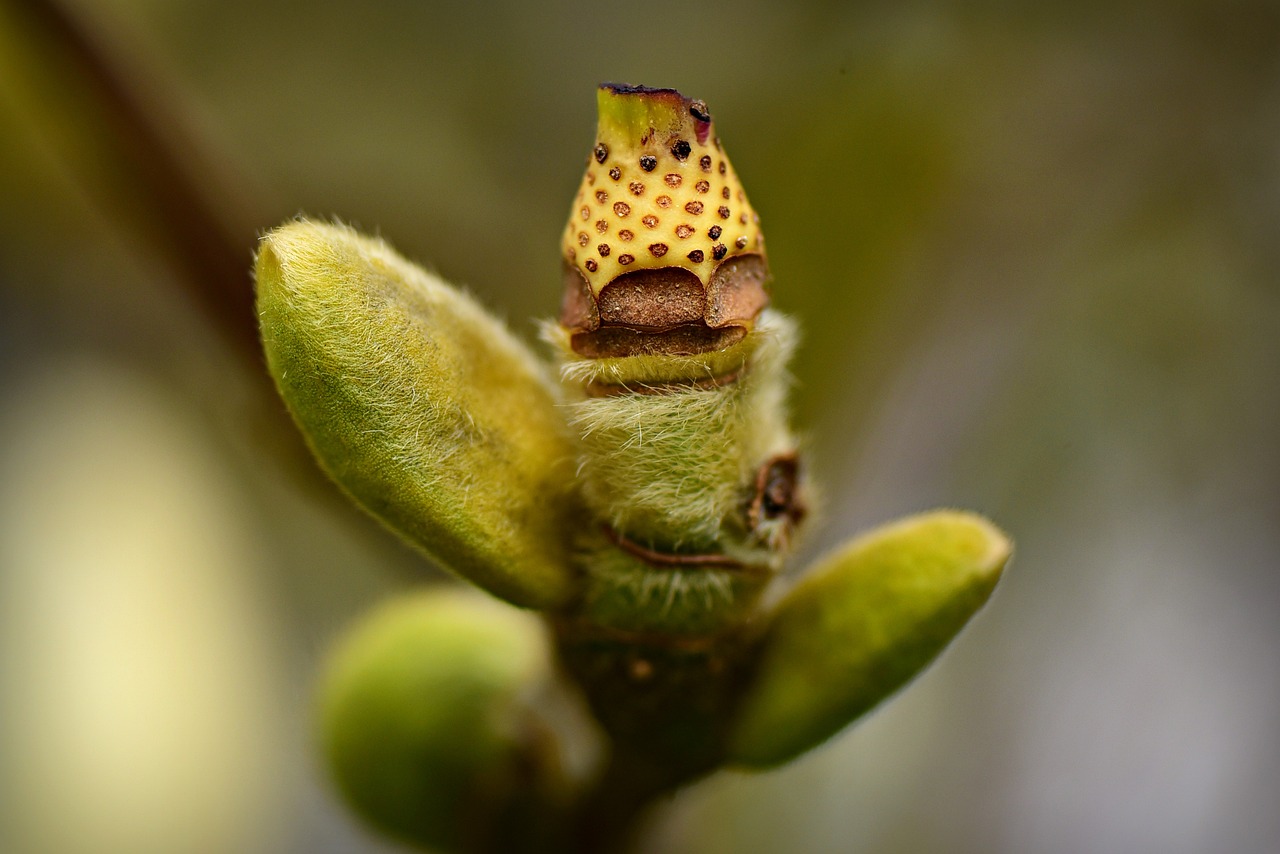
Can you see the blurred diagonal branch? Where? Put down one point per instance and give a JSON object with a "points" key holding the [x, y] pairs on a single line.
{"points": [[192, 213], [159, 182]]}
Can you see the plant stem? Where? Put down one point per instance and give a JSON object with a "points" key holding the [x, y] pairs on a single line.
{"points": [[664, 702], [606, 821]]}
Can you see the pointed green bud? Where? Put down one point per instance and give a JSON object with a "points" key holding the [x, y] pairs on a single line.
{"points": [[421, 406], [422, 722], [862, 623]]}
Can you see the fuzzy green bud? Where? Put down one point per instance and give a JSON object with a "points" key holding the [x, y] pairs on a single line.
{"points": [[867, 619], [421, 406], [422, 722]]}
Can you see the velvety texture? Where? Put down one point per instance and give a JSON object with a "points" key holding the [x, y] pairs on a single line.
{"points": [[862, 622], [421, 719], [421, 406]]}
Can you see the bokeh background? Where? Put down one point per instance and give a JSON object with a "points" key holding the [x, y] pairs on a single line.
{"points": [[1034, 250]]}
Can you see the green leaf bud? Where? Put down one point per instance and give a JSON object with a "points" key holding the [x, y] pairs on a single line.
{"points": [[421, 406], [862, 623], [421, 718]]}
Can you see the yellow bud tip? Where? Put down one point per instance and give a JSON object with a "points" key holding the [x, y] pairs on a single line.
{"points": [[661, 236]]}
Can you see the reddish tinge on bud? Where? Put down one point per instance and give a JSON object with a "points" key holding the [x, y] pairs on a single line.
{"points": [[663, 253]]}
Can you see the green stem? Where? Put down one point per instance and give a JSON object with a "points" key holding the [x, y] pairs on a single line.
{"points": [[664, 703]]}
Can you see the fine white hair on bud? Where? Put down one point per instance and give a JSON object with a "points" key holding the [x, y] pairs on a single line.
{"points": [[422, 406]]}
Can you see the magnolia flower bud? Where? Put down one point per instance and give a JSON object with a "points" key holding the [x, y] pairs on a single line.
{"points": [[663, 252]]}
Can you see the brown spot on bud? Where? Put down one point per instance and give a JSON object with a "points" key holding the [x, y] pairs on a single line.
{"points": [[657, 250], [723, 211], [672, 179], [585, 213], [602, 226], [626, 234], [702, 186], [663, 201], [681, 149], [724, 193], [722, 167], [696, 256], [603, 249], [698, 109], [719, 251], [624, 260], [705, 162], [621, 208], [640, 670], [615, 173], [650, 221], [714, 232], [591, 178], [602, 152], [684, 231], [637, 189], [648, 163], [694, 207], [778, 492], [742, 218], [741, 242], [582, 238], [592, 265], [602, 196]]}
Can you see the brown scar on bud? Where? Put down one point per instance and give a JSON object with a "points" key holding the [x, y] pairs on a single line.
{"points": [[777, 495], [737, 290], [675, 560], [653, 300], [577, 306], [668, 304]]}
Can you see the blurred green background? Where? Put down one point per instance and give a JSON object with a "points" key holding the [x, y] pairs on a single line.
{"points": [[1034, 251]]}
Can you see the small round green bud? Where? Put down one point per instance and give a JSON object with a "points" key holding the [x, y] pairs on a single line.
{"points": [[421, 718]]}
